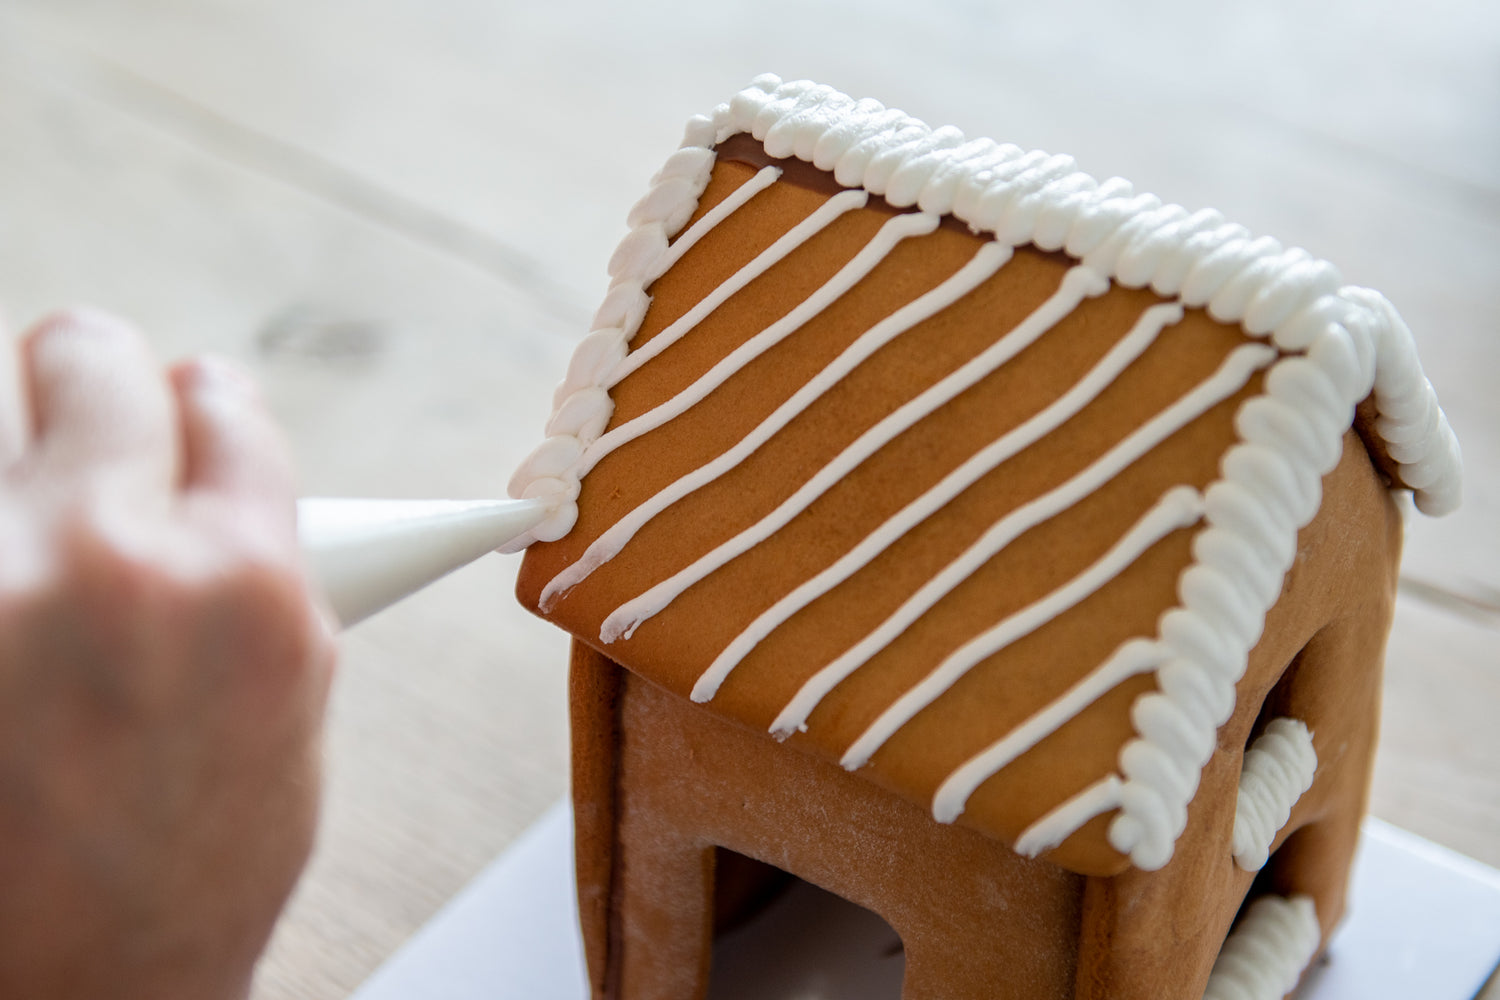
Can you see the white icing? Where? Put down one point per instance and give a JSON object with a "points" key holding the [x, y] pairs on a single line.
{"points": [[731, 203], [1271, 290], [609, 544], [1270, 487], [1352, 345], [820, 219], [1226, 381], [581, 406], [1137, 656], [1056, 826], [1279, 767], [1077, 284], [1265, 956], [988, 260], [1180, 507]]}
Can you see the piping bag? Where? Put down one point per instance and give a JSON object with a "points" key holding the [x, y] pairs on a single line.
{"points": [[369, 554]]}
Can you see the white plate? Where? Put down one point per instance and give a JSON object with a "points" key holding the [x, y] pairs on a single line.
{"points": [[1424, 922]]}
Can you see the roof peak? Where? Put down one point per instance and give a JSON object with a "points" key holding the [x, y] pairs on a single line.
{"points": [[1135, 239]]}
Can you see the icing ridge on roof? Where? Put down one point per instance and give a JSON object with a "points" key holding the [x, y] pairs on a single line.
{"points": [[1335, 344], [1021, 197], [1134, 239]]}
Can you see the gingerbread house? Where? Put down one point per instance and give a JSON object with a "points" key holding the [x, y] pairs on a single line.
{"points": [[1006, 551]]}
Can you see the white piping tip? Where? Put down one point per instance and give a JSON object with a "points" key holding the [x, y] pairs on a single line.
{"points": [[368, 554]]}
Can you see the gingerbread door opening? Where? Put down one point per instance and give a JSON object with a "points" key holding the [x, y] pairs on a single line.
{"points": [[778, 936]]}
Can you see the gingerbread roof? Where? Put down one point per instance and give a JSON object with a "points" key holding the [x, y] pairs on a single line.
{"points": [[943, 459]]}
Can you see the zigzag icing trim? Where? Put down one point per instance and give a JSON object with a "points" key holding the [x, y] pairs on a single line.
{"points": [[1339, 344]]}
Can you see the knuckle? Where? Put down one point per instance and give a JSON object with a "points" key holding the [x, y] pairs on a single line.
{"points": [[115, 573], [89, 609], [143, 619], [83, 537], [25, 563], [220, 372], [82, 321], [268, 597], [156, 606]]}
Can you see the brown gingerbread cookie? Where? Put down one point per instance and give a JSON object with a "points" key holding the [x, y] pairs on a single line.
{"points": [[999, 549]]}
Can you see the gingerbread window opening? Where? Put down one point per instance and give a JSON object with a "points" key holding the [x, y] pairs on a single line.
{"points": [[1278, 876], [1278, 926], [1282, 700], [1278, 764], [1272, 881], [772, 930], [743, 888]]}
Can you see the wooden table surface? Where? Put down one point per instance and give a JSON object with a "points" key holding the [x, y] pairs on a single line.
{"points": [[398, 213]]}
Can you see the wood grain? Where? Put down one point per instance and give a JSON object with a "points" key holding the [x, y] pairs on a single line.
{"points": [[398, 212]]}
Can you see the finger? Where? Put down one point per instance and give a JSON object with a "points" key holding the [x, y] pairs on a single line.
{"points": [[15, 418], [99, 404], [233, 452]]}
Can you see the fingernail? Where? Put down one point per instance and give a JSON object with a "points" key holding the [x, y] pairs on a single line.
{"points": [[223, 375], [86, 319]]}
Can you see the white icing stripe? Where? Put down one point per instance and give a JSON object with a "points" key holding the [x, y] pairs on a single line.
{"points": [[609, 544], [1278, 770], [1270, 487], [1270, 948], [1032, 198], [1077, 283], [820, 219], [984, 264], [1136, 656], [869, 256], [1055, 827], [1225, 382], [581, 405], [1353, 346], [1180, 507], [735, 200], [1351, 334]]}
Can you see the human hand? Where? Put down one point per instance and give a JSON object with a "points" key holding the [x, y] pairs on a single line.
{"points": [[163, 672]]}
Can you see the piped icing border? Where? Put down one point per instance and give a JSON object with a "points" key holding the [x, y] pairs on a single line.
{"points": [[1279, 769], [1339, 344], [1269, 949]]}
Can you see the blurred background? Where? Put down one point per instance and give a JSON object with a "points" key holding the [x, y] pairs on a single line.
{"points": [[398, 213]]}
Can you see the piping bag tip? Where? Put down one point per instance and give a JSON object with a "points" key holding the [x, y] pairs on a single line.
{"points": [[366, 555]]}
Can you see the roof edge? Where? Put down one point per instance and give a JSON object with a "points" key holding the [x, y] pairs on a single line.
{"points": [[1134, 239], [1340, 345]]}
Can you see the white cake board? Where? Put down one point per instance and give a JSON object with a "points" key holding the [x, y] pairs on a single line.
{"points": [[1423, 922]]}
